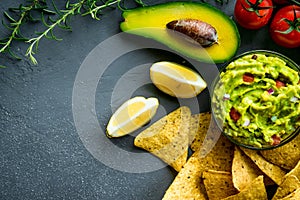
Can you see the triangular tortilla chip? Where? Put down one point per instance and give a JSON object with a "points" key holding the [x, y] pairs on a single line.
{"points": [[285, 156], [295, 171], [256, 190], [288, 186], [198, 129], [293, 196], [188, 183], [220, 157], [271, 170], [218, 184], [244, 170], [168, 138]]}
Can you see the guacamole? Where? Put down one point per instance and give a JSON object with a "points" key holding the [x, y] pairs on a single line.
{"points": [[257, 100]]}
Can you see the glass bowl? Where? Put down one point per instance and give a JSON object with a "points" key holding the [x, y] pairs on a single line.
{"points": [[255, 100]]}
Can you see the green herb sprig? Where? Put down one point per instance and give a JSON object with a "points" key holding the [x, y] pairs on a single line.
{"points": [[23, 15], [51, 19]]}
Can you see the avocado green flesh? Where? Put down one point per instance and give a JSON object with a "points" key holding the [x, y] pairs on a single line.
{"points": [[151, 22], [265, 109]]}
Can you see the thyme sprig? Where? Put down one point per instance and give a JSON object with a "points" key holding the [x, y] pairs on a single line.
{"points": [[60, 22], [95, 10], [14, 25], [61, 18]]}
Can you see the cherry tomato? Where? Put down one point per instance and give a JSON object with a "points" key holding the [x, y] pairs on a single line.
{"points": [[285, 27], [253, 14]]}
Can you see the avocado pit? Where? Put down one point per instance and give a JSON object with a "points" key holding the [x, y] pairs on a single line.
{"points": [[199, 31]]}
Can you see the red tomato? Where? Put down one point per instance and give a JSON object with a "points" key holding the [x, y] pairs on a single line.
{"points": [[285, 27], [279, 84], [253, 14], [276, 140], [247, 77], [234, 114]]}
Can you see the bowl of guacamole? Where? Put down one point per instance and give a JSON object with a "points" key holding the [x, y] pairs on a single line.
{"points": [[256, 100]]}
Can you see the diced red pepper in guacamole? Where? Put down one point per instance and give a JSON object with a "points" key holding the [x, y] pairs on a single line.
{"points": [[234, 114], [279, 84], [247, 77], [276, 140]]}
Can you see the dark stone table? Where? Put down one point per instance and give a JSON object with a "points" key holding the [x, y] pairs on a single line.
{"points": [[43, 155]]}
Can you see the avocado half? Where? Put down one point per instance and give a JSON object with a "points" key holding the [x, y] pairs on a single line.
{"points": [[151, 22]]}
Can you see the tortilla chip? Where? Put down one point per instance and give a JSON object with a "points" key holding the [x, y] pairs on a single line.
{"points": [[218, 184], [198, 129], [288, 186], [220, 157], [212, 136], [254, 191], [244, 171], [168, 138], [271, 170], [293, 196], [285, 156], [295, 171], [188, 183]]}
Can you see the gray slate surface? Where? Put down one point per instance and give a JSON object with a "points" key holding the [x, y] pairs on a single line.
{"points": [[42, 156]]}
